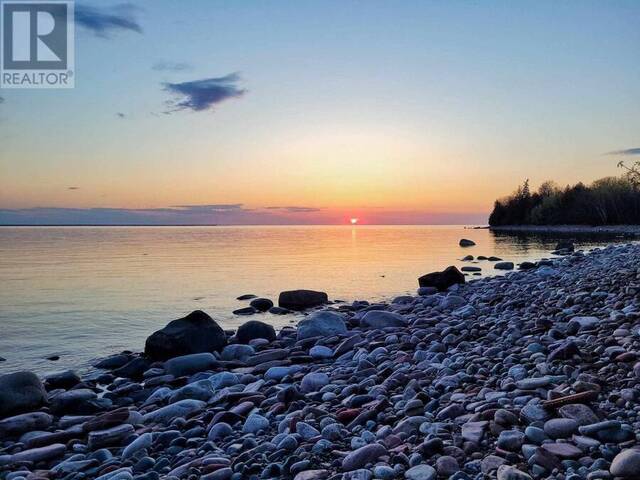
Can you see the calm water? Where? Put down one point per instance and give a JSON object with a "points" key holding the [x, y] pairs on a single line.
{"points": [[82, 293]]}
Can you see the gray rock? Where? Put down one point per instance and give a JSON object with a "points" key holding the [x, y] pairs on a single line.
{"points": [[363, 456], [301, 299], [421, 472], [190, 364], [182, 408], [237, 352], [26, 422], [503, 266], [320, 352], [507, 472], [255, 329], [626, 464], [314, 381], [195, 333], [255, 423], [321, 324], [20, 392], [381, 319]]}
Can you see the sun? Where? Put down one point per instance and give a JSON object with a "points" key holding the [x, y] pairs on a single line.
{"points": [[354, 221]]}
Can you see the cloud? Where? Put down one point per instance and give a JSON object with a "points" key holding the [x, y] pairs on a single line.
{"points": [[295, 209], [73, 188], [105, 21], [627, 152], [120, 115], [171, 66], [200, 95], [231, 207]]}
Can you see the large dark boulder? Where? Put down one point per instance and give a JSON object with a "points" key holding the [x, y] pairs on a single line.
{"points": [[302, 299], [20, 392], [255, 329], [195, 333], [442, 280]]}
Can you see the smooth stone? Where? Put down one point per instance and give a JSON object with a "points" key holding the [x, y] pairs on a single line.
{"points": [[143, 441], [195, 333], [66, 379], [442, 280], [255, 423], [320, 352], [190, 364], [255, 329], [465, 242], [560, 427], [26, 422], [179, 409], [306, 431], [503, 266], [379, 319], [237, 351], [109, 437], [20, 392], [321, 324], [421, 472], [314, 381], [363, 456], [508, 472], [510, 440], [626, 464], [262, 305], [301, 299]]}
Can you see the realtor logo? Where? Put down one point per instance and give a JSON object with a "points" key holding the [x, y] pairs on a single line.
{"points": [[37, 44]]}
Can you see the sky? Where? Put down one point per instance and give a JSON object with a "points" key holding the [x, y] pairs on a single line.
{"points": [[280, 112]]}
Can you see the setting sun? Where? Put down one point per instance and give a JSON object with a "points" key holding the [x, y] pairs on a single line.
{"points": [[354, 221]]}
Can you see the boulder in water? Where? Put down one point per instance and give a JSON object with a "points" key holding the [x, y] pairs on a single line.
{"points": [[465, 242], [302, 299], [442, 280], [261, 304], [195, 333]]}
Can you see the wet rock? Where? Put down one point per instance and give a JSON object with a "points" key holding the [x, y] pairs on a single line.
{"points": [[20, 392], [261, 304], [195, 333], [508, 472], [255, 329], [465, 242], [301, 299], [19, 424], [504, 266], [66, 379], [442, 280]]}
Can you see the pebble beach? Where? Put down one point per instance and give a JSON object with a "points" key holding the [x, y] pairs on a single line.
{"points": [[533, 374]]}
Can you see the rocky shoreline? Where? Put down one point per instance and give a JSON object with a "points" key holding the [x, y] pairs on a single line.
{"points": [[535, 374], [631, 230]]}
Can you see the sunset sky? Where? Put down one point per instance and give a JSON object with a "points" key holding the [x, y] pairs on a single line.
{"points": [[248, 112]]}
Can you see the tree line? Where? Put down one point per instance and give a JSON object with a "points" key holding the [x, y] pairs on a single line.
{"points": [[607, 201]]}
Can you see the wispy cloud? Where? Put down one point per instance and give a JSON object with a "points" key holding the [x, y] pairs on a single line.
{"points": [[295, 209], [121, 115], [163, 66], [626, 152], [73, 188], [200, 95], [105, 21], [224, 207]]}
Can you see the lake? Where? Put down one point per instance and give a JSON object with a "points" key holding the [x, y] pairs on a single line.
{"points": [[82, 293]]}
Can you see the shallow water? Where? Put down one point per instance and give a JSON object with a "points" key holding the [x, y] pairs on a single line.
{"points": [[85, 292]]}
